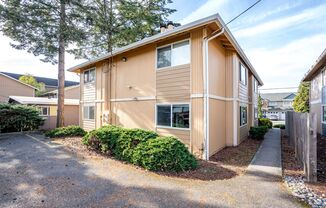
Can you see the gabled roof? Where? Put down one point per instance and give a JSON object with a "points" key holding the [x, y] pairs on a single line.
{"points": [[201, 22], [274, 97], [4, 74], [320, 63], [66, 88], [41, 100], [47, 81]]}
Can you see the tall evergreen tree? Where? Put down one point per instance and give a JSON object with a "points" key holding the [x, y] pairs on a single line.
{"points": [[301, 100], [45, 28], [116, 23]]}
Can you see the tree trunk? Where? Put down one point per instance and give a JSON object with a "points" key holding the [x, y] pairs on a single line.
{"points": [[61, 66]]}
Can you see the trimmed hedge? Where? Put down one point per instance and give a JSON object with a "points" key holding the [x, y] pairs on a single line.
{"points": [[68, 131], [141, 147], [265, 122], [258, 133], [280, 126], [164, 154], [15, 118]]}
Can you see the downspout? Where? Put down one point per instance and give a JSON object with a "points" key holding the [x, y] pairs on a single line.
{"points": [[206, 93]]}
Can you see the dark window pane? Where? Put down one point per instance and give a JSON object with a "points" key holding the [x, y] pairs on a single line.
{"points": [[91, 75], [86, 77], [243, 115], [164, 57], [324, 113], [45, 111], [164, 115], [91, 112], [180, 116]]}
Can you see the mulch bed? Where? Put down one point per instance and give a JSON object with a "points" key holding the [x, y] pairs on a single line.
{"points": [[291, 166], [226, 164]]}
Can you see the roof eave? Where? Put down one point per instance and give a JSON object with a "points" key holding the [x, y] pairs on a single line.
{"points": [[317, 66]]}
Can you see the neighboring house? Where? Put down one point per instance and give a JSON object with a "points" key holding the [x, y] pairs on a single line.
{"points": [[193, 82], [275, 105], [317, 101], [72, 92], [50, 84], [48, 109], [10, 86]]}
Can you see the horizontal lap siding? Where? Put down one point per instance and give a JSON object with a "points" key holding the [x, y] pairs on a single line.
{"points": [[243, 133], [88, 96], [243, 92], [89, 92], [182, 135], [173, 84]]}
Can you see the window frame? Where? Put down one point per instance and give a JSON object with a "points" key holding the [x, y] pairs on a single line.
{"points": [[89, 105], [244, 82], [255, 85], [322, 114], [88, 71], [41, 110], [171, 116], [240, 113], [171, 46]]}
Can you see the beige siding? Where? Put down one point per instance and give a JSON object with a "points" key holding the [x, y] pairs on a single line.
{"points": [[243, 133], [71, 117], [316, 85], [88, 96], [229, 118], [10, 87], [217, 126], [316, 108], [173, 84], [72, 93], [183, 135]]}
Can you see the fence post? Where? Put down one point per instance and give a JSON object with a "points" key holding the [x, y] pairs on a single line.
{"points": [[312, 149]]}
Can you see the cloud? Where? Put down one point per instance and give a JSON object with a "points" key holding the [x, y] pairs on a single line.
{"points": [[285, 66], [281, 23], [209, 8]]}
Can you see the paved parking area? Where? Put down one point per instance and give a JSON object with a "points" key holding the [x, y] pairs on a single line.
{"points": [[35, 173]]}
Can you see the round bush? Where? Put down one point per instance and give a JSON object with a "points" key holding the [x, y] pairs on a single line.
{"points": [[68, 131], [265, 122], [164, 154], [128, 141]]}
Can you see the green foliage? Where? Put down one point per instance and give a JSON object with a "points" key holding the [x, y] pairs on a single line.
{"points": [[301, 100], [258, 133], [260, 105], [265, 122], [141, 147], [164, 154], [30, 80], [129, 140], [280, 126], [114, 24], [15, 118], [68, 131]]}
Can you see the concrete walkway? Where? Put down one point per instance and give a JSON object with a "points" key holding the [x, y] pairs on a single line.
{"points": [[35, 173]]}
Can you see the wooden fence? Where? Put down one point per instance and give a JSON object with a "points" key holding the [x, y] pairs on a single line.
{"points": [[301, 129]]}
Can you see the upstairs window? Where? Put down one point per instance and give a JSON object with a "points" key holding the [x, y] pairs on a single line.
{"points": [[255, 86], [243, 74], [324, 114], [173, 55], [173, 115], [89, 76]]}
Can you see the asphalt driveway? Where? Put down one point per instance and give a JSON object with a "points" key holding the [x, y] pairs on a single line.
{"points": [[35, 173]]}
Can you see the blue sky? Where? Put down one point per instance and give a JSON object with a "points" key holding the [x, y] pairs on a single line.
{"points": [[282, 38]]}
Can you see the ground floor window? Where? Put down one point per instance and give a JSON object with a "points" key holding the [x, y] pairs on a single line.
{"points": [[89, 112], [324, 113], [173, 115], [256, 113], [243, 115], [44, 110]]}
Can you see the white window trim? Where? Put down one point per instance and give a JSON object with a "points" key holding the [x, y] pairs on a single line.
{"points": [[246, 74], [246, 116], [171, 44], [48, 110], [171, 127], [89, 105], [87, 71]]}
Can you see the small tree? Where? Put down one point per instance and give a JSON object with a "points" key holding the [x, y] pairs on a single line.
{"points": [[260, 105], [301, 100], [30, 80]]}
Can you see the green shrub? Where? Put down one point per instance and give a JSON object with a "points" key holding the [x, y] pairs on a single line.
{"points": [[265, 122], [280, 126], [68, 131], [164, 154], [15, 118], [128, 141], [258, 133]]}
